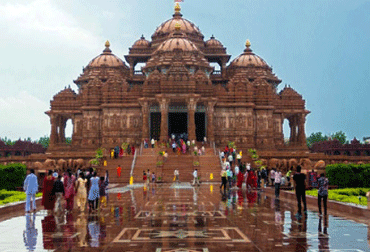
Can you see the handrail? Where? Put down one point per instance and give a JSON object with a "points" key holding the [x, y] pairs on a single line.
{"points": [[141, 148], [133, 164]]}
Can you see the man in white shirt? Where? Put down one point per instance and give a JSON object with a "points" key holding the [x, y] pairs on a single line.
{"points": [[277, 182], [196, 179], [152, 142], [230, 158], [31, 187]]}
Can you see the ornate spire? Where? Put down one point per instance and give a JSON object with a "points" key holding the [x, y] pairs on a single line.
{"points": [[177, 11], [247, 50], [177, 8], [107, 45]]}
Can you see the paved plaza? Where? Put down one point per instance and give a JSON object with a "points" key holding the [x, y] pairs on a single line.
{"points": [[180, 218]]}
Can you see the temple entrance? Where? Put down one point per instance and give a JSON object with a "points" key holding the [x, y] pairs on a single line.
{"points": [[200, 126], [178, 124], [155, 125]]}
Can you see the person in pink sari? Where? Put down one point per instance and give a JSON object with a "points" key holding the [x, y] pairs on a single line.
{"points": [[183, 148], [69, 189]]}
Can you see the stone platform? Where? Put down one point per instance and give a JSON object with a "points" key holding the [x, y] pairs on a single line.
{"points": [[181, 218]]}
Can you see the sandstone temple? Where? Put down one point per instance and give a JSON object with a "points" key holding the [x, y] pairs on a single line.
{"points": [[184, 84]]}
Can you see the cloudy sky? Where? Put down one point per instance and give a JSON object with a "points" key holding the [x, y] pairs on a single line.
{"points": [[318, 47]]}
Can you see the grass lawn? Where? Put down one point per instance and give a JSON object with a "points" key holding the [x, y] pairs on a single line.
{"points": [[347, 195], [13, 196]]}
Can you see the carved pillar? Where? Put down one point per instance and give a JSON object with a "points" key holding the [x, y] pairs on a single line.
{"points": [[293, 130], [163, 104], [223, 68], [54, 130], [62, 127], [145, 113], [192, 104], [210, 111], [301, 130]]}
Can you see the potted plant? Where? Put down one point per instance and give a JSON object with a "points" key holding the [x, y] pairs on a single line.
{"points": [[195, 153], [160, 163], [195, 163]]}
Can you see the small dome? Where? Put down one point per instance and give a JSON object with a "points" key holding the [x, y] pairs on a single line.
{"points": [[212, 42], [177, 43], [248, 58], [107, 58], [141, 43]]}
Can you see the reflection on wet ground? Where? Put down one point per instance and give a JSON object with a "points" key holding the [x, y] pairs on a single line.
{"points": [[178, 217]]}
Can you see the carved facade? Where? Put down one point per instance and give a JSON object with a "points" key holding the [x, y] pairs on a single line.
{"points": [[117, 103]]}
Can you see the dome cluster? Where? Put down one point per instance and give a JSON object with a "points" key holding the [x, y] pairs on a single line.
{"points": [[180, 35]]}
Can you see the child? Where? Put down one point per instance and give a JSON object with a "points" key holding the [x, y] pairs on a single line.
{"points": [[153, 177], [102, 193], [144, 178]]}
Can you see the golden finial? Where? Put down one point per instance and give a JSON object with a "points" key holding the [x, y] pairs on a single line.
{"points": [[177, 26], [248, 43], [107, 44], [177, 7]]}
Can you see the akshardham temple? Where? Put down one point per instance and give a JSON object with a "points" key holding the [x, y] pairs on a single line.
{"points": [[177, 90]]}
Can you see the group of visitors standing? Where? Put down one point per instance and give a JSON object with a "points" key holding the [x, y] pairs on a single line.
{"points": [[82, 187], [118, 151]]}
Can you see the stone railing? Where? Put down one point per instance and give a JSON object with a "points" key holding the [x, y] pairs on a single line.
{"points": [[133, 164]]}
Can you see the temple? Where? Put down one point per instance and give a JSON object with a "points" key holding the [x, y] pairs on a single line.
{"points": [[185, 85]]}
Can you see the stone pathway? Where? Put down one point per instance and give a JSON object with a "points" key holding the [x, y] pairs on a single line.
{"points": [[182, 218]]}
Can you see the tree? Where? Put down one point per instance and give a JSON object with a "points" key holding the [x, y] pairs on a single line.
{"points": [[340, 136], [315, 138], [44, 141]]}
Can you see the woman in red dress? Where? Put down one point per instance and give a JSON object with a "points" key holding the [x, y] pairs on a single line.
{"points": [[48, 199], [69, 183]]}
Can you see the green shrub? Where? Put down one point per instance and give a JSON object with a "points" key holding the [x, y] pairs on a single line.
{"points": [[348, 195], [12, 176], [348, 175], [13, 196]]}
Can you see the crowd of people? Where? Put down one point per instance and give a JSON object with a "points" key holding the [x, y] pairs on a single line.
{"points": [[180, 145], [234, 173], [80, 189]]}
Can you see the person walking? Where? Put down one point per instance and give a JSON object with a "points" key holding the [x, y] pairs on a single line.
{"points": [[69, 190], [300, 190], [81, 193], [277, 183], [195, 175], [119, 170], [48, 199], [94, 193], [223, 180], [31, 187], [102, 192], [58, 192], [323, 184], [176, 173], [230, 158], [229, 176], [272, 176]]}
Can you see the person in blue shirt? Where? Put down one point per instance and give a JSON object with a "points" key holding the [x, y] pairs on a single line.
{"points": [[31, 187]]}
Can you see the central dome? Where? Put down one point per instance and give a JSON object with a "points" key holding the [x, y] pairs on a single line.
{"points": [[168, 27]]}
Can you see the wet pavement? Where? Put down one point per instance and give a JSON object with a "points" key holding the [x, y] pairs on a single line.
{"points": [[180, 218]]}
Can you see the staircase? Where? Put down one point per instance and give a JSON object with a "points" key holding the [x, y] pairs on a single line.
{"points": [[147, 160], [208, 163], [112, 164]]}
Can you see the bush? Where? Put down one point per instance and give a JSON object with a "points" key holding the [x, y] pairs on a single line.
{"points": [[12, 176], [13, 196], [348, 175], [349, 195]]}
